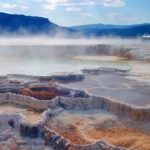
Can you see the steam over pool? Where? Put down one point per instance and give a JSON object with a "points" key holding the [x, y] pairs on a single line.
{"points": [[43, 56]]}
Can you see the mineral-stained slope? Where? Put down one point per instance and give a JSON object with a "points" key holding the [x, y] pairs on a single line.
{"points": [[39, 113], [86, 127]]}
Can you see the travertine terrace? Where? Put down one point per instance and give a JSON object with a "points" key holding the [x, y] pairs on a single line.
{"points": [[75, 111]]}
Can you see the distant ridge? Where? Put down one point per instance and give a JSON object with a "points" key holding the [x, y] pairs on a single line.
{"points": [[20, 24], [105, 26], [114, 30]]}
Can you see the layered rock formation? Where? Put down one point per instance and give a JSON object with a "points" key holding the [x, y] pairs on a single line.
{"points": [[52, 99]]}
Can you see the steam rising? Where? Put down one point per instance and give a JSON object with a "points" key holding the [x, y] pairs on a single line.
{"points": [[41, 55], [43, 40], [42, 46]]}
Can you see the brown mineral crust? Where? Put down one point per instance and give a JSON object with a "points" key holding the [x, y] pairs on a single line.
{"points": [[43, 93], [123, 53], [72, 133], [125, 110], [14, 82], [124, 137], [39, 95], [69, 146], [56, 140], [141, 115], [72, 148], [47, 137]]}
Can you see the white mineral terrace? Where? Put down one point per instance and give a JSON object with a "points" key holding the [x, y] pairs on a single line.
{"points": [[74, 117], [117, 87]]}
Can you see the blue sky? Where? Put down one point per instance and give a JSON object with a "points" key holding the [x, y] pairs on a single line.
{"points": [[78, 12]]}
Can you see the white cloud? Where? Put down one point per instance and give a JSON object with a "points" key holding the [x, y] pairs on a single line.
{"points": [[54, 3], [73, 9], [50, 7], [86, 15], [9, 6], [107, 3], [48, 1], [77, 4], [113, 3], [22, 7], [57, 1]]}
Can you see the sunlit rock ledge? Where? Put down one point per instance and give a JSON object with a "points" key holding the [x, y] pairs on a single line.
{"points": [[76, 99]]}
